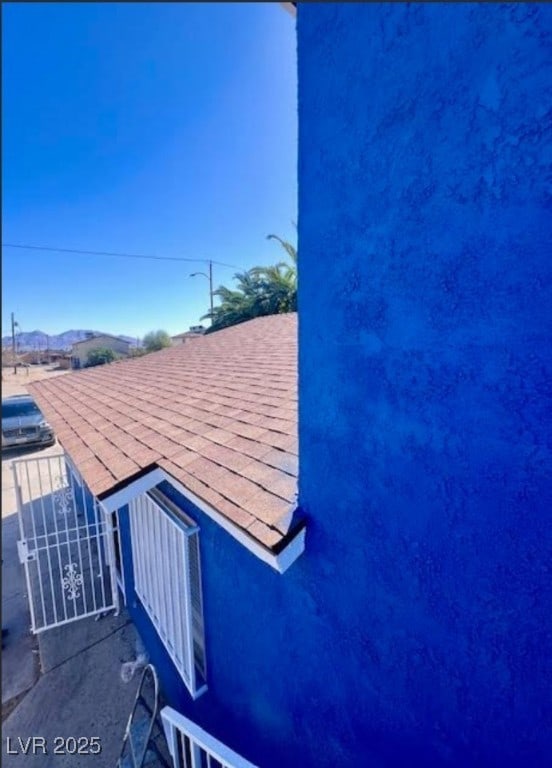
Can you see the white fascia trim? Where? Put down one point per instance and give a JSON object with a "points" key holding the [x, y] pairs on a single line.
{"points": [[132, 490], [280, 562]]}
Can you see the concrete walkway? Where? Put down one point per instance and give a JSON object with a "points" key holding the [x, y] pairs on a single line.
{"points": [[65, 682], [80, 694], [20, 663], [20, 666]]}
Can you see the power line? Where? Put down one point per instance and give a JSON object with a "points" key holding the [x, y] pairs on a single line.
{"points": [[121, 255]]}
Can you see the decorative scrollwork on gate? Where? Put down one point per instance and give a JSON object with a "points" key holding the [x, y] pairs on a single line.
{"points": [[72, 581], [62, 497]]}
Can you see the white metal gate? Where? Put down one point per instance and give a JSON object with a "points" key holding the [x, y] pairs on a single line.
{"points": [[66, 545]]}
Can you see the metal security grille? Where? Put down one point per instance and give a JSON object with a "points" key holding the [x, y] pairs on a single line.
{"points": [[192, 747], [167, 579], [66, 545]]}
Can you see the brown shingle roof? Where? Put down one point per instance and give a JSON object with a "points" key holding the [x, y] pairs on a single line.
{"points": [[220, 416]]}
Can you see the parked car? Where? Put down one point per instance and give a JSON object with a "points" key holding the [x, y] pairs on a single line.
{"points": [[23, 423]]}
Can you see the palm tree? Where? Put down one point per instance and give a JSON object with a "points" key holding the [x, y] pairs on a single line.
{"points": [[236, 305], [280, 281], [260, 291], [288, 247]]}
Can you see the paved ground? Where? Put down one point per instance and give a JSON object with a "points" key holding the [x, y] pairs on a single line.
{"points": [[16, 384], [65, 682], [20, 664], [80, 694]]}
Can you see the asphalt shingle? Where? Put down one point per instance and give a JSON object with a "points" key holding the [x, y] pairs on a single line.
{"points": [[219, 415]]}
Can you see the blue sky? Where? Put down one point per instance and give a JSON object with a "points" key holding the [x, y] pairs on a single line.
{"points": [[148, 128]]}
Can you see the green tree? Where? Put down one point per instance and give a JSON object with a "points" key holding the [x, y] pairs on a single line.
{"points": [[100, 356], [156, 340], [260, 291], [136, 352], [280, 281]]}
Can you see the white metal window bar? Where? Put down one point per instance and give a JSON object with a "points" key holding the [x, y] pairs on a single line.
{"points": [[192, 747], [67, 553], [167, 579]]}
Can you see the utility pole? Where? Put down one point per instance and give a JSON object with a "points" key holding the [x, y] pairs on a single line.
{"points": [[13, 324]]}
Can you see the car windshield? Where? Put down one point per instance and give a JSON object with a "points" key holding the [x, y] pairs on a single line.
{"points": [[23, 408]]}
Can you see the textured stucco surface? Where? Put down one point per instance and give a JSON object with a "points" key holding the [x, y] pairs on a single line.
{"points": [[425, 242], [415, 629]]}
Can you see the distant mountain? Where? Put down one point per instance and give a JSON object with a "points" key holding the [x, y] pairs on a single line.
{"points": [[36, 340]]}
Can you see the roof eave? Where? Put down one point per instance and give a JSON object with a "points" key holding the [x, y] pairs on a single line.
{"points": [[101, 336], [280, 557], [290, 8]]}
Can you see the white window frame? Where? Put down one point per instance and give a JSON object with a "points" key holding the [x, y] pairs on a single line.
{"points": [[118, 550], [167, 580], [74, 471], [191, 747]]}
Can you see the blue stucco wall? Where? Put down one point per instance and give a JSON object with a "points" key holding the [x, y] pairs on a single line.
{"points": [[257, 642], [84, 499], [415, 630], [425, 309]]}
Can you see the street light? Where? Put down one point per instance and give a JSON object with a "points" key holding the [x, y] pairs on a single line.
{"points": [[210, 279]]}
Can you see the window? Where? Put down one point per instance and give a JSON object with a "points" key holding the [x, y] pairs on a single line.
{"points": [[19, 407], [167, 579]]}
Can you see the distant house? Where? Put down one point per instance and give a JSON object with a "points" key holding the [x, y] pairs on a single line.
{"points": [[29, 358], [62, 359], [195, 332], [45, 356], [81, 349]]}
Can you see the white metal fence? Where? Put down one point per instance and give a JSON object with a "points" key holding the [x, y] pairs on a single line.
{"points": [[192, 747], [66, 545], [167, 579]]}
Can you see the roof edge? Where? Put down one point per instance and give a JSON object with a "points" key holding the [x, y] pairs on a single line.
{"points": [[121, 485], [280, 557], [290, 8], [101, 336]]}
